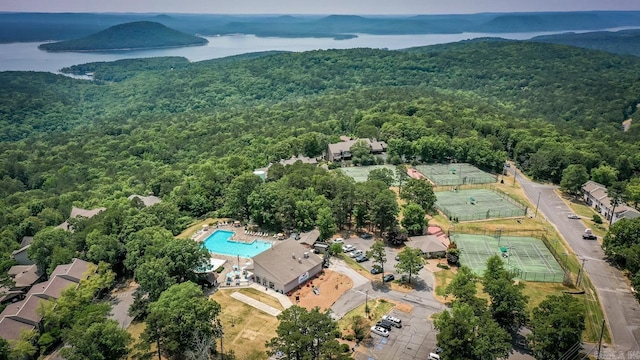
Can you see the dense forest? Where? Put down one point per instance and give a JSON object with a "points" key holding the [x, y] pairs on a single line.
{"points": [[135, 35], [192, 133]]}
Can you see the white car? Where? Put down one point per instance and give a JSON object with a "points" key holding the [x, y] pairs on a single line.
{"points": [[355, 253], [348, 248], [380, 331], [573, 216], [397, 322], [338, 241]]}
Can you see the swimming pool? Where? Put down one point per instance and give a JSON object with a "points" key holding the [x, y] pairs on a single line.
{"points": [[219, 242]]}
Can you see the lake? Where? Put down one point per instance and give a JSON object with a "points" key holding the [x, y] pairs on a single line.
{"points": [[27, 57]]}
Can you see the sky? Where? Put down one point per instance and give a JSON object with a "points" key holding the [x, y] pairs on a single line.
{"points": [[364, 7]]}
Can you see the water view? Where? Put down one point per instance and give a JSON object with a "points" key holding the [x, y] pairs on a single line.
{"points": [[27, 57]]}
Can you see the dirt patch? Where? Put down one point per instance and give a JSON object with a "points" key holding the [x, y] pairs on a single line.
{"points": [[405, 308], [330, 286]]}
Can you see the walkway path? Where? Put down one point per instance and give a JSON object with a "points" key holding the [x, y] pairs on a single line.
{"points": [[256, 304], [283, 299]]}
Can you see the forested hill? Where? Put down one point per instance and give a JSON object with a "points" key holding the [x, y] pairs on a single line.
{"points": [[15, 27], [186, 130], [135, 35], [619, 42]]}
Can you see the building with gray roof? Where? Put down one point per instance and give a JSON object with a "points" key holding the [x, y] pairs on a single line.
{"points": [[287, 265], [342, 150]]}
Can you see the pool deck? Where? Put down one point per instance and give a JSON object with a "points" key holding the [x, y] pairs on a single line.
{"points": [[238, 235]]}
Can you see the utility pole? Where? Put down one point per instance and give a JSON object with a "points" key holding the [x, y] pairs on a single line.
{"points": [[580, 273], [366, 303], [537, 203], [515, 174], [600, 341]]}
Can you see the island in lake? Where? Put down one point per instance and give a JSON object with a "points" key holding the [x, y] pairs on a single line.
{"points": [[129, 36]]}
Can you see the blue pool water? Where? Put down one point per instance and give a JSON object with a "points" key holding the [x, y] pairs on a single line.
{"points": [[219, 242]]}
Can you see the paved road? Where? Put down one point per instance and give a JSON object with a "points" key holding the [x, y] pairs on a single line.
{"points": [[619, 304], [121, 301]]}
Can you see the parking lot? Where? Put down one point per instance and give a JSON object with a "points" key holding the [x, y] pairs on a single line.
{"points": [[389, 265], [417, 338]]}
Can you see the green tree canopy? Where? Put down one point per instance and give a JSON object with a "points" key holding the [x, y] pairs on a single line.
{"points": [[413, 219], [303, 334], [382, 174], [556, 326], [378, 255], [409, 261], [419, 192], [104, 340], [177, 316], [573, 177], [508, 305]]}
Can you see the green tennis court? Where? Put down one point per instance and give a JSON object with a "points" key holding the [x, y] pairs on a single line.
{"points": [[455, 174], [477, 204], [361, 173], [527, 257]]}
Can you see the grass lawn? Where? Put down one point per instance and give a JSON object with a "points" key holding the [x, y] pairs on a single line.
{"points": [[377, 308], [262, 297], [195, 227], [246, 329]]}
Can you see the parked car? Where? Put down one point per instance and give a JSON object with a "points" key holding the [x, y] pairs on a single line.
{"points": [[338, 241], [588, 235], [356, 253], [385, 324], [388, 277], [366, 236], [397, 258], [433, 356], [348, 248], [394, 320], [380, 331], [362, 258], [376, 270], [573, 216]]}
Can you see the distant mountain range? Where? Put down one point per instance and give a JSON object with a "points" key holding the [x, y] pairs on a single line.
{"points": [[620, 42], [20, 27], [129, 36]]}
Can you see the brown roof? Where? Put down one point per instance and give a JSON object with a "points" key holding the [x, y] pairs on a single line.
{"points": [[26, 240], [285, 260], [75, 212], [7, 294], [74, 271], [10, 328], [22, 249], [427, 243], [28, 310], [589, 186], [146, 200], [310, 237], [25, 275], [54, 287]]}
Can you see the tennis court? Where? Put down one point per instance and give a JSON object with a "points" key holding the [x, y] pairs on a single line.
{"points": [[477, 204], [455, 174], [361, 173], [527, 257]]}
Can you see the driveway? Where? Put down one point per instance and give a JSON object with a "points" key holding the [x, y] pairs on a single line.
{"points": [[121, 301], [620, 306]]}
